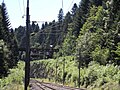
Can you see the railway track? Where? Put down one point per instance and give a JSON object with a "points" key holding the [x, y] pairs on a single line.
{"points": [[37, 85]]}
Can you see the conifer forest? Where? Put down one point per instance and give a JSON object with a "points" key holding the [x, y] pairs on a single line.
{"points": [[81, 49]]}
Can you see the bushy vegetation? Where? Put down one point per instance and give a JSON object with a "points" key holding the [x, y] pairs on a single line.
{"points": [[91, 77], [102, 77], [47, 68], [15, 79]]}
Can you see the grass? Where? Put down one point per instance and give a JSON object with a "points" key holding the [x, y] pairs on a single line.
{"points": [[13, 87], [14, 81]]}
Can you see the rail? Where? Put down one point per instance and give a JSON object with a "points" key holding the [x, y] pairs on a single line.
{"points": [[37, 85]]}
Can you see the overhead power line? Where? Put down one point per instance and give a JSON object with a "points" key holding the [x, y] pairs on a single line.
{"points": [[20, 7], [70, 5], [23, 7], [40, 21], [62, 4], [50, 27]]}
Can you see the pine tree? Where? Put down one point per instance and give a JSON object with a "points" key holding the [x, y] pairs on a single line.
{"points": [[46, 24], [35, 27], [81, 16], [92, 37], [3, 61], [96, 2], [112, 20], [67, 21], [74, 9], [20, 35], [43, 26], [69, 43], [9, 48], [60, 16], [9, 38], [60, 26]]}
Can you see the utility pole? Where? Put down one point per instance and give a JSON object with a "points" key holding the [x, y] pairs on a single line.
{"points": [[62, 4], [56, 71], [27, 60], [63, 71], [79, 57]]}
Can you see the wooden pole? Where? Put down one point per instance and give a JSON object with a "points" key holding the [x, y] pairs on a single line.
{"points": [[63, 71], [79, 57], [27, 60]]}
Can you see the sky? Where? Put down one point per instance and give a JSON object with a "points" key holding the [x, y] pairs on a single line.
{"points": [[40, 10]]}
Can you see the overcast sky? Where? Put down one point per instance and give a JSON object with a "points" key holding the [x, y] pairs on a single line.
{"points": [[40, 10]]}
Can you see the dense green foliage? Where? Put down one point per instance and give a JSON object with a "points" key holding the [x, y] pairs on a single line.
{"points": [[8, 44], [97, 38], [94, 76], [91, 28], [14, 81], [90, 33]]}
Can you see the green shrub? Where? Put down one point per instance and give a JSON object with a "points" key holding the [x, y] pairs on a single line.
{"points": [[15, 76], [92, 77]]}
